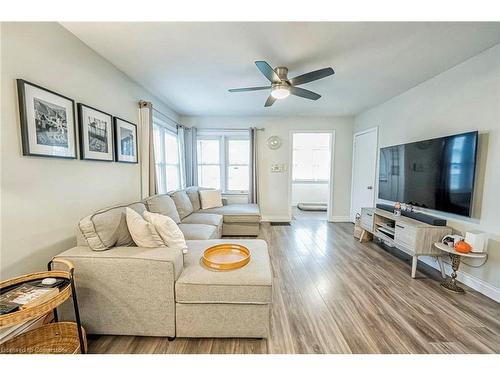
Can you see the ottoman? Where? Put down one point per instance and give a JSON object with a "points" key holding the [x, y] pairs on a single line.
{"points": [[224, 303]]}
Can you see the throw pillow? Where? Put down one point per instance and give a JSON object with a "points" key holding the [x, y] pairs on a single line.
{"points": [[210, 199], [168, 230], [143, 233]]}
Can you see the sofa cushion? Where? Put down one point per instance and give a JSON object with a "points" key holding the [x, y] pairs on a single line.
{"points": [[251, 284], [167, 229], [143, 233], [203, 218], [194, 197], [237, 213], [182, 203], [107, 228], [199, 231], [164, 205], [210, 199]]}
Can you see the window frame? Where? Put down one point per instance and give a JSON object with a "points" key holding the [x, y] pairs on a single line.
{"points": [[198, 164], [162, 164], [224, 158], [308, 180]]}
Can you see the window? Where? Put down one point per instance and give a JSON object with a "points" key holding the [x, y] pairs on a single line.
{"points": [[311, 157], [167, 161], [209, 163], [223, 162], [238, 154]]}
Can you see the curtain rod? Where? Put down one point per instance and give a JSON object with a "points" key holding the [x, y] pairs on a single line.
{"points": [[229, 129], [143, 103]]}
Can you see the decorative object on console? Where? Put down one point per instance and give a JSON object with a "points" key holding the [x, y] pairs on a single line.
{"points": [[225, 257], [210, 199], [462, 247], [96, 134], [47, 122], [477, 240], [451, 239], [397, 209], [125, 141], [274, 142]]}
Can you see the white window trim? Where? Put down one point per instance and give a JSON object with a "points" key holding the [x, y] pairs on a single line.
{"points": [[158, 122], [307, 180], [224, 157]]}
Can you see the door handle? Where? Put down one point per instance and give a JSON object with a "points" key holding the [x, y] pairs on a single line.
{"points": [[369, 187]]}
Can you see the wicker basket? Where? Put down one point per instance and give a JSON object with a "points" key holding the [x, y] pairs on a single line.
{"points": [[54, 338]]}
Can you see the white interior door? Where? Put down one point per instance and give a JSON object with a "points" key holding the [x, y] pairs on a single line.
{"points": [[363, 171]]}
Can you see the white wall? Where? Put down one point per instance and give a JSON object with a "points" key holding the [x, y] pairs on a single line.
{"points": [[464, 98], [274, 187], [42, 199], [308, 192]]}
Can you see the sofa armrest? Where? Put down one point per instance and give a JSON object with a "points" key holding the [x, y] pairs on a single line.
{"points": [[125, 290]]}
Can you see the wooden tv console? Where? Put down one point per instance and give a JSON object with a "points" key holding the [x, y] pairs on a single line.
{"points": [[409, 235]]}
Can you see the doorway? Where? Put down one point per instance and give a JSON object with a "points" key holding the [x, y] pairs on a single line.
{"points": [[364, 166], [310, 173]]}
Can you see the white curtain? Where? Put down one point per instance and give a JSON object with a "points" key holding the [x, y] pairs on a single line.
{"points": [[148, 167], [253, 183], [191, 157], [181, 141]]}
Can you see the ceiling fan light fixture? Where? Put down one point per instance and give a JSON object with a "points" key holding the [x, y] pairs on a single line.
{"points": [[280, 92]]}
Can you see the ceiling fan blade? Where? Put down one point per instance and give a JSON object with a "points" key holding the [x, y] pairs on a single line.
{"points": [[268, 72], [250, 89], [312, 76], [270, 101], [304, 93]]}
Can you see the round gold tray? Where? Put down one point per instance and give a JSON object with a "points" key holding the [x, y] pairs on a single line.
{"points": [[226, 257]]}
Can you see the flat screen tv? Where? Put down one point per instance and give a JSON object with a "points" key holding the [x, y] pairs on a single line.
{"points": [[437, 173]]}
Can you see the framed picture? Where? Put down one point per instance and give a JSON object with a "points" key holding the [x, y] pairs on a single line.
{"points": [[125, 141], [96, 134], [47, 122]]}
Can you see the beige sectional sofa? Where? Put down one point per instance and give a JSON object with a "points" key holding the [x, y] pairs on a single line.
{"points": [[127, 290]]}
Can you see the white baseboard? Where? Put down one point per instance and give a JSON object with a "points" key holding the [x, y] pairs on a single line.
{"points": [[277, 218], [339, 219], [471, 281]]}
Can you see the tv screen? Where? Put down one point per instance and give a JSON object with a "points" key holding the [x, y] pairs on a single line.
{"points": [[437, 173]]}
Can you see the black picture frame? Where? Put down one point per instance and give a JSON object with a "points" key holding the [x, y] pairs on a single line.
{"points": [[84, 153], [27, 121], [123, 158]]}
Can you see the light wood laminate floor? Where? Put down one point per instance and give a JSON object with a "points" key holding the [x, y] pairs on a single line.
{"points": [[335, 295]]}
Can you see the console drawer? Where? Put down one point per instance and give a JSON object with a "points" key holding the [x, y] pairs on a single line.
{"points": [[367, 220], [406, 235]]}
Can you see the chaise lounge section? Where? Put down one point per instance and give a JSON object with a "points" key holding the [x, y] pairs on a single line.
{"points": [[128, 290]]}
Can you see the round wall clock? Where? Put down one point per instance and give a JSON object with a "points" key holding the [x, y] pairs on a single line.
{"points": [[274, 142]]}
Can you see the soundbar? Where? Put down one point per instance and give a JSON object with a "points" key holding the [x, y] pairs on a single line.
{"points": [[428, 219]]}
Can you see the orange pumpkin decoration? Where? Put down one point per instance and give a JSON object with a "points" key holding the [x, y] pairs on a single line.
{"points": [[463, 247]]}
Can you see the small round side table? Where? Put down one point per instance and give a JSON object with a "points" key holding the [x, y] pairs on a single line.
{"points": [[451, 283], [52, 338]]}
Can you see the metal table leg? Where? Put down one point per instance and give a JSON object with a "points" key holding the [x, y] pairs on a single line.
{"points": [[451, 282]]}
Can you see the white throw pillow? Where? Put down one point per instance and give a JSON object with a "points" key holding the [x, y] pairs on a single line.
{"points": [[210, 199], [168, 230], [143, 233]]}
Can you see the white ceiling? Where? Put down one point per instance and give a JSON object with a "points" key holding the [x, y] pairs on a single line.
{"points": [[191, 65]]}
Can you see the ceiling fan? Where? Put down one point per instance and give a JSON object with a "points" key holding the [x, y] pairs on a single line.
{"points": [[281, 87]]}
